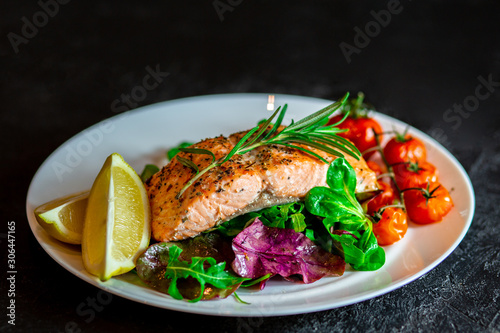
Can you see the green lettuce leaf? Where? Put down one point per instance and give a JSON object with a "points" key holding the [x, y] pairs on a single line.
{"points": [[342, 212]]}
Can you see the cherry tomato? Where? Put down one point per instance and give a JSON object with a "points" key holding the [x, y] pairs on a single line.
{"points": [[415, 174], [391, 227], [409, 149], [384, 198], [377, 168], [359, 131], [430, 207]]}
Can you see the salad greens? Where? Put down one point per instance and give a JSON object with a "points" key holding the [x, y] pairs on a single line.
{"points": [[342, 212], [313, 238], [261, 250], [347, 230], [214, 275], [153, 263], [307, 238], [289, 216], [150, 169]]}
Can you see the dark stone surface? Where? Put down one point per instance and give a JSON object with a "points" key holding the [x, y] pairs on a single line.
{"points": [[428, 58]]}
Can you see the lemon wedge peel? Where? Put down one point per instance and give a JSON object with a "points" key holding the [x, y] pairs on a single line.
{"points": [[117, 224], [63, 218]]}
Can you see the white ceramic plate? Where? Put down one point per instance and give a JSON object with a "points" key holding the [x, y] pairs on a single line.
{"points": [[142, 136]]}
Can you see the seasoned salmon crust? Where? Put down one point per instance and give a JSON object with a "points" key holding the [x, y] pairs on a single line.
{"points": [[263, 177]]}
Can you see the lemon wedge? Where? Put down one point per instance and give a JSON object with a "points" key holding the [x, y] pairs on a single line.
{"points": [[117, 224], [63, 218]]}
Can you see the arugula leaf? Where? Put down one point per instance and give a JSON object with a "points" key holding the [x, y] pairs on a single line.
{"points": [[286, 216], [214, 274], [298, 222], [342, 212], [253, 282], [320, 235], [152, 264]]}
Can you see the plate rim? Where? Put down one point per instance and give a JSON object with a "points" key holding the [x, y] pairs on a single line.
{"points": [[190, 309]]}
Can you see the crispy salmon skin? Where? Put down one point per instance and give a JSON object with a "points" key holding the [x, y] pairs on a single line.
{"points": [[263, 177]]}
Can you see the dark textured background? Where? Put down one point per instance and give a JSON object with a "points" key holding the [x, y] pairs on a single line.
{"points": [[427, 59]]}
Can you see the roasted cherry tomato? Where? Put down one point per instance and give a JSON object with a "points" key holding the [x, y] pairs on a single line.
{"points": [[416, 174], [404, 149], [377, 168], [428, 205], [384, 198], [391, 227], [359, 131]]}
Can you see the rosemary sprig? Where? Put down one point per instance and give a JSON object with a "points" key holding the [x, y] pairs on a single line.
{"points": [[310, 131]]}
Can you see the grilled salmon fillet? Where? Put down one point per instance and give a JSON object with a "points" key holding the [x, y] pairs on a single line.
{"points": [[263, 177]]}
